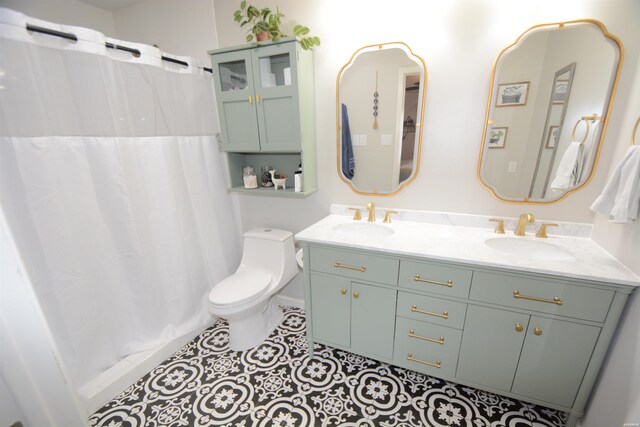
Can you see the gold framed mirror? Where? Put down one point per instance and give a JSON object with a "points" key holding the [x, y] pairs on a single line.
{"points": [[548, 106], [380, 98]]}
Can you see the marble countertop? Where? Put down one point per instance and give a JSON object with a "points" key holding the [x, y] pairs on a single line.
{"points": [[460, 243]]}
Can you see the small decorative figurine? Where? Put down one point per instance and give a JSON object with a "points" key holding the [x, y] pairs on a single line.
{"points": [[279, 180]]}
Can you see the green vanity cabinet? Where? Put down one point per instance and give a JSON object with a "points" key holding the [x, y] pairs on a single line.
{"points": [[535, 337], [531, 356], [266, 108], [554, 349], [354, 316]]}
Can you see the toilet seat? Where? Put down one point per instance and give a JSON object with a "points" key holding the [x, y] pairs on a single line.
{"points": [[244, 285]]}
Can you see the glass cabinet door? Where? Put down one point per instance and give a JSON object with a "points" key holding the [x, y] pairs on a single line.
{"points": [[233, 75], [275, 75], [235, 94]]}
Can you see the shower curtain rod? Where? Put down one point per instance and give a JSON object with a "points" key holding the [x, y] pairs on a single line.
{"points": [[134, 52]]}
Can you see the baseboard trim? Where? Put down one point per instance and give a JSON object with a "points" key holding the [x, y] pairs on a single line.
{"points": [[289, 301]]}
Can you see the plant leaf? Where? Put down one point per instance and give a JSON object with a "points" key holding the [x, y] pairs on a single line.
{"points": [[243, 4], [300, 30]]}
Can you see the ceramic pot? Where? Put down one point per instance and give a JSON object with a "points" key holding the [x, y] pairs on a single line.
{"points": [[263, 36]]}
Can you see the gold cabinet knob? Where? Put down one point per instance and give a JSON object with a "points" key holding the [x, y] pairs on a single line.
{"points": [[519, 327], [343, 291], [537, 331], [356, 295]]}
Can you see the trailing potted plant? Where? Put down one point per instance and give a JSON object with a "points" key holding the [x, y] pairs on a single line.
{"points": [[267, 25]]}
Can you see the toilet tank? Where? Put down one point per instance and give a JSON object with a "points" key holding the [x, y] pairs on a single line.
{"points": [[271, 250]]}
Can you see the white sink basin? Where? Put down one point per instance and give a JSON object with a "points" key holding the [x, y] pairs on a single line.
{"points": [[533, 249], [364, 229]]}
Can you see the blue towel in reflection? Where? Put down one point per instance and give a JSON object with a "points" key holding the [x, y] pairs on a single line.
{"points": [[348, 162]]}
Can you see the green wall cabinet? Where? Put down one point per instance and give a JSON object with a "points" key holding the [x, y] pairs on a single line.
{"points": [[534, 337], [266, 108]]}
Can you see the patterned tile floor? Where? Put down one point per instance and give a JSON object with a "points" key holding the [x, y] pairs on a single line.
{"points": [[277, 384]]}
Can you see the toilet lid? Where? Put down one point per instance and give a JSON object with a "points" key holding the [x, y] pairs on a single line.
{"points": [[243, 285]]}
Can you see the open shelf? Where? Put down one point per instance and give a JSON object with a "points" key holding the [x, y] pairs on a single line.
{"points": [[270, 192]]}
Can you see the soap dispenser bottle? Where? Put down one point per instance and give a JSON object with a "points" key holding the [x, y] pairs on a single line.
{"points": [[298, 184]]}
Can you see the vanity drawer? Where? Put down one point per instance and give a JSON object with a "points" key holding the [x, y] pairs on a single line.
{"points": [[545, 296], [355, 265], [436, 278], [431, 309], [427, 348]]}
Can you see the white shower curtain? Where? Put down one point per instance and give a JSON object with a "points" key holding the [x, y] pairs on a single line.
{"points": [[113, 188]]}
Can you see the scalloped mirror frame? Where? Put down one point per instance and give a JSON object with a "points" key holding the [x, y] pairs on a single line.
{"points": [[604, 119], [419, 124]]}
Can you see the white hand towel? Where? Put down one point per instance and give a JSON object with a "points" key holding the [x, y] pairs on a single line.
{"points": [[570, 163], [620, 199]]}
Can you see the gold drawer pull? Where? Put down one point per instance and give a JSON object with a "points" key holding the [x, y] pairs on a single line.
{"points": [[444, 315], [412, 334], [438, 364], [250, 99], [348, 267], [448, 283], [555, 300]]}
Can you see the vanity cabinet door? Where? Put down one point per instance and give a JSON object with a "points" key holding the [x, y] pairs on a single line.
{"points": [[373, 314], [554, 359], [491, 344], [330, 309], [235, 94]]}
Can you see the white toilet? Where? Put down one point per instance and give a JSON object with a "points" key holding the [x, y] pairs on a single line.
{"points": [[245, 298]]}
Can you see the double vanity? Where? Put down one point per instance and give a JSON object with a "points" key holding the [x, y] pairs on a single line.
{"points": [[522, 316]]}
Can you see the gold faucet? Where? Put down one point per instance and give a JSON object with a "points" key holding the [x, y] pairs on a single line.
{"points": [[525, 218], [372, 212]]}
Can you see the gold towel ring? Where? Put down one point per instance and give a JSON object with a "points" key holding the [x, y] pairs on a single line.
{"points": [[573, 132], [635, 131]]}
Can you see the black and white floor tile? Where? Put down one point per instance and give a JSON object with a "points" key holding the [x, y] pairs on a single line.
{"points": [[278, 384]]}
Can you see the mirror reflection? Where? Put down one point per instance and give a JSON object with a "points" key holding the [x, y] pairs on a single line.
{"points": [[550, 95], [380, 100]]}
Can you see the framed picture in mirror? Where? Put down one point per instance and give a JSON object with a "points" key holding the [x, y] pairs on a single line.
{"points": [[498, 137], [552, 136], [512, 94], [560, 91]]}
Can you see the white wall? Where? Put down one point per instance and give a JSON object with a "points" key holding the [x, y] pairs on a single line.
{"points": [[459, 41], [68, 12], [617, 397], [185, 27]]}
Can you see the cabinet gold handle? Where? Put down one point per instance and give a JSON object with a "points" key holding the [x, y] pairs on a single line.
{"points": [[343, 291], [257, 99], [448, 283], [412, 334], [555, 300], [250, 99], [519, 327], [415, 309], [537, 331], [356, 295], [338, 264], [438, 364]]}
